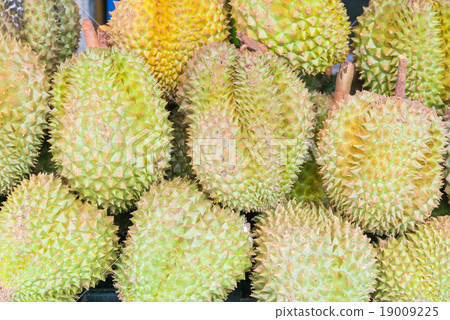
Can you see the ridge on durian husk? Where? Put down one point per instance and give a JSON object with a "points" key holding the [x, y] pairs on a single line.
{"points": [[50, 27], [246, 145], [312, 35], [309, 186], [447, 163], [411, 28], [414, 267], [167, 33], [23, 110], [110, 136], [182, 247], [52, 246], [308, 253], [381, 161]]}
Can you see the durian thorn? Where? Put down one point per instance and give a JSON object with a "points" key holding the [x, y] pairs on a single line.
{"points": [[248, 43], [401, 76], [104, 39], [329, 71], [344, 81], [90, 35]]}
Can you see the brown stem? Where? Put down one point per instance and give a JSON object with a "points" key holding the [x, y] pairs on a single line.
{"points": [[89, 34], [104, 38], [401, 77], [250, 43], [344, 81]]}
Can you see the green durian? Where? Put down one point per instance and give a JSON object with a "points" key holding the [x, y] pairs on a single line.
{"points": [[414, 266], [447, 163], [308, 253], [52, 246], [312, 35], [110, 133], [250, 124], [411, 28], [309, 186], [23, 110], [50, 27], [182, 247], [167, 33], [381, 161]]}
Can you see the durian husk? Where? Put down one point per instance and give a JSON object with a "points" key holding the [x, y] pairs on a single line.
{"points": [[415, 29], [312, 35], [414, 266], [52, 245], [167, 33], [182, 247], [23, 110], [308, 253], [381, 161]]}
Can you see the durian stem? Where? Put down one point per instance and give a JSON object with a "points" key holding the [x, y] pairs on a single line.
{"points": [[247, 42], [344, 81], [89, 34], [104, 38], [401, 77]]}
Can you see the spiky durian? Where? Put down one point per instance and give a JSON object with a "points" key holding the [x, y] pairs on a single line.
{"points": [[250, 123], [23, 110], [309, 186], [312, 34], [167, 33], [381, 161], [110, 134], [414, 266], [308, 253], [182, 247], [50, 27], [447, 163], [412, 28], [52, 246]]}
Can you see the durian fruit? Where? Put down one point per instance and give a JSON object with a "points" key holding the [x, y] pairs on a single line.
{"points": [[412, 28], [23, 110], [180, 162], [52, 246], [312, 35], [167, 33], [309, 186], [308, 253], [182, 247], [110, 133], [414, 266], [250, 124], [50, 27], [381, 161]]}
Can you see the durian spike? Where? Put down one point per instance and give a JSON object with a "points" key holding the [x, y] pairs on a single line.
{"points": [[401, 77], [248, 43], [344, 81], [90, 35], [104, 38]]}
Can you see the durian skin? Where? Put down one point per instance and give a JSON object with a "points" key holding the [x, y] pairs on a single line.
{"points": [[23, 110], [182, 247], [167, 33], [412, 28], [50, 27], [110, 133], [382, 160], [308, 253], [243, 108], [309, 186], [312, 35], [447, 162], [52, 246], [414, 267]]}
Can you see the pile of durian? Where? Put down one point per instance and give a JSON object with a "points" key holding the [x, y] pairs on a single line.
{"points": [[193, 115]]}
